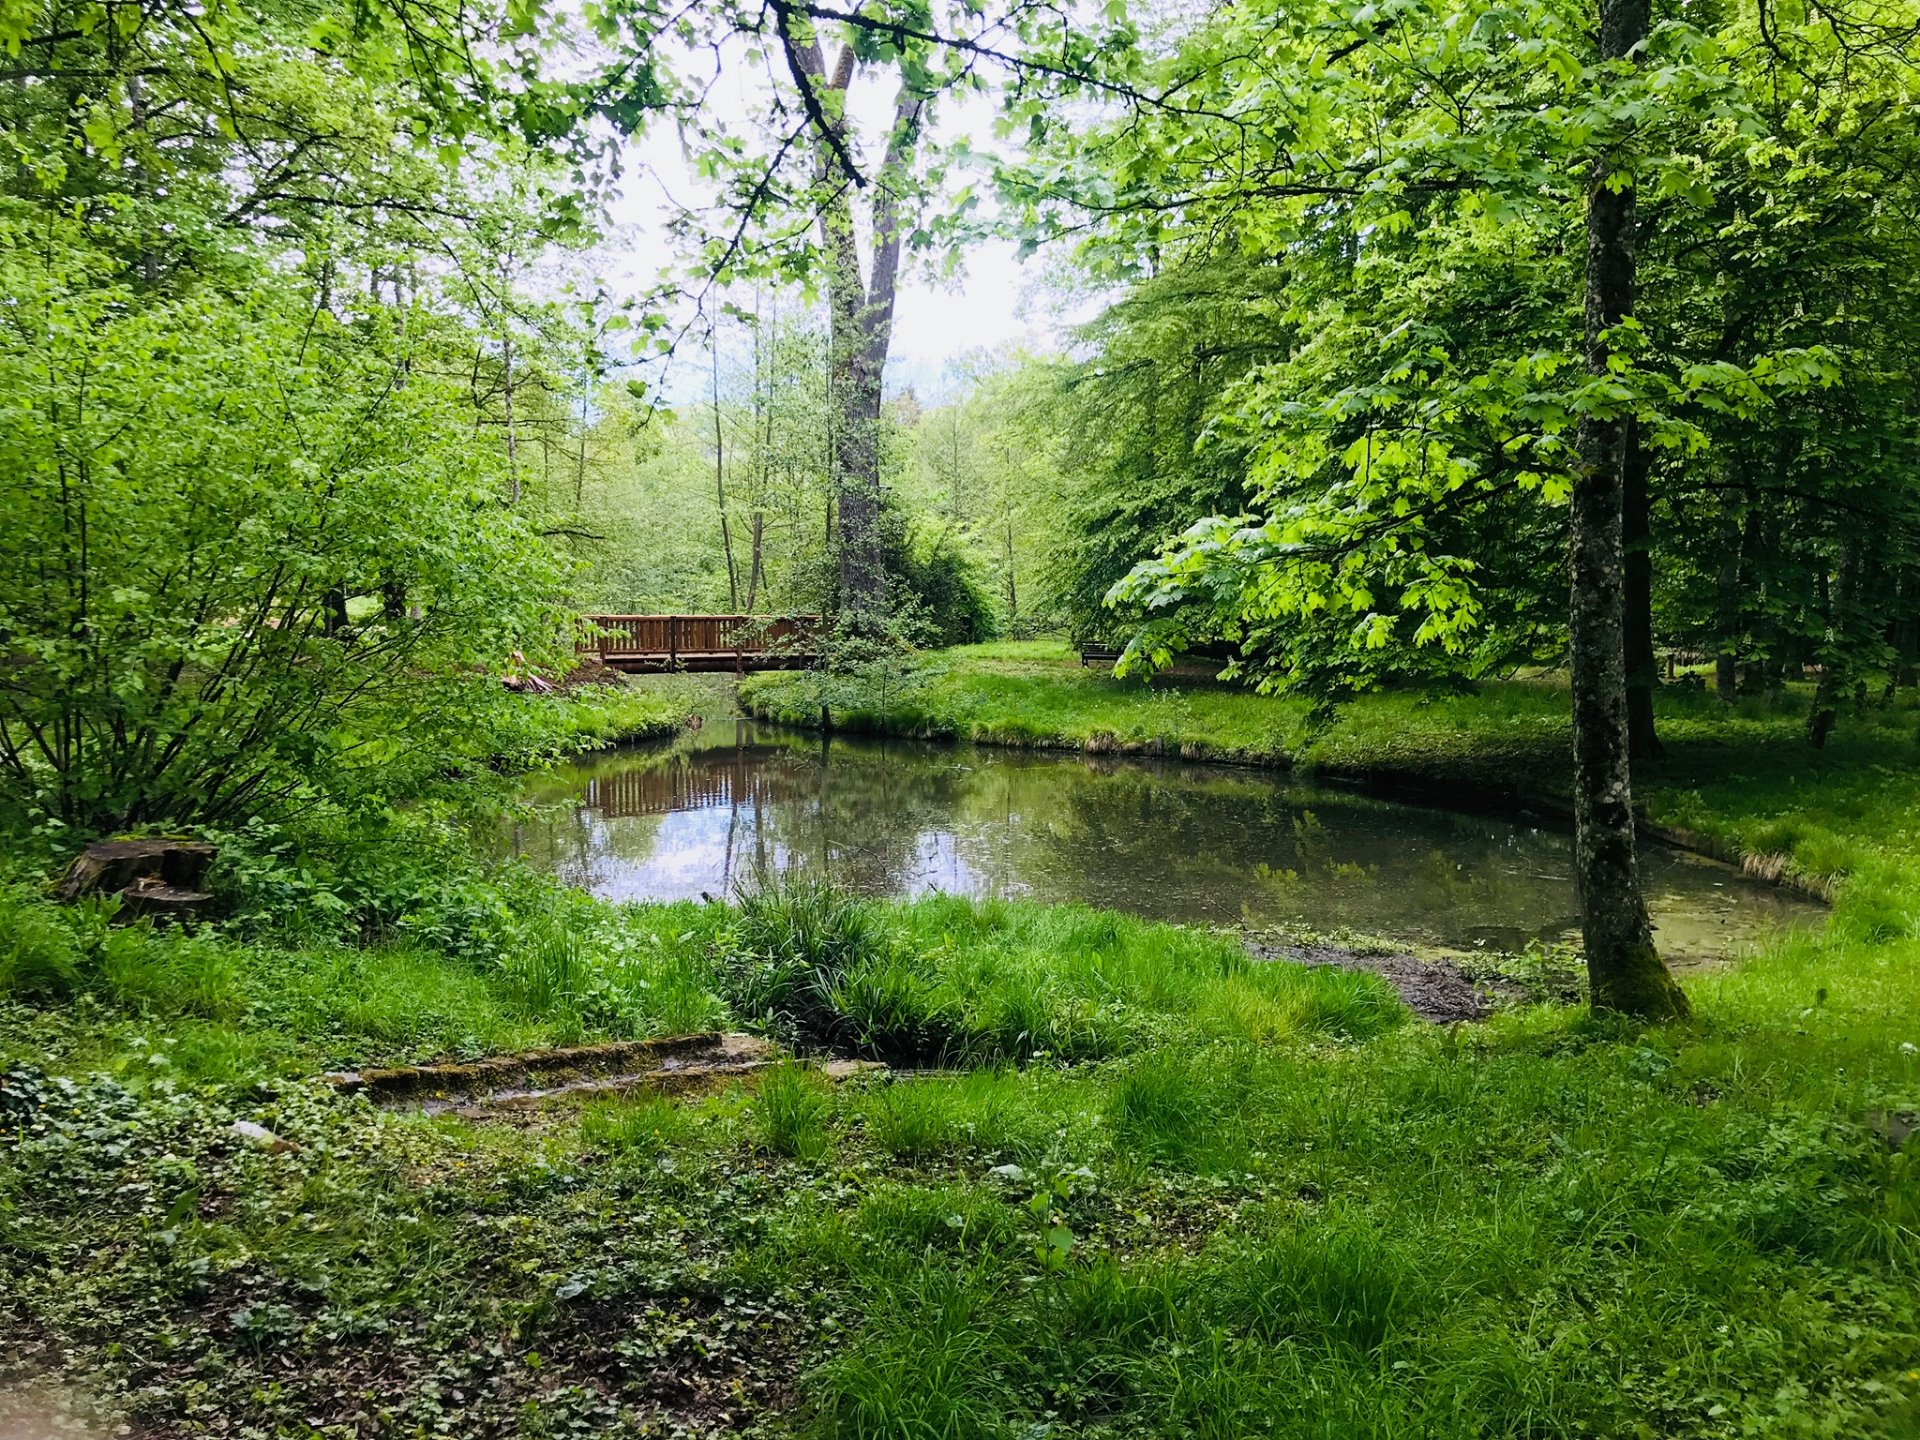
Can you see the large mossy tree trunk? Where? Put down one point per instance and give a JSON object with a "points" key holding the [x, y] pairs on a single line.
{"points": [[1624, 971]]}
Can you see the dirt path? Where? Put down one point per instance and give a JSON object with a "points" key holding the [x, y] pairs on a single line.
{"points": [[1438, 991]]}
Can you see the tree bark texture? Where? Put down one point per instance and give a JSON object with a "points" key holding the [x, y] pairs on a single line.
{"points": [[859, 309], [1624, 971]]}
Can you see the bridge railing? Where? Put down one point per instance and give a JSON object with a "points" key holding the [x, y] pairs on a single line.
{"points": [[670, 638]]}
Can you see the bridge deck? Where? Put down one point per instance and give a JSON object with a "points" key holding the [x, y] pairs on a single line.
{"points": [[702, 642]]}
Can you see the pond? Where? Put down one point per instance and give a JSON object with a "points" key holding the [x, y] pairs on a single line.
{"points": [[1171, 841]]}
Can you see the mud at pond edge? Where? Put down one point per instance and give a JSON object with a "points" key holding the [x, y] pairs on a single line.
{"points": [[1437, 990]]}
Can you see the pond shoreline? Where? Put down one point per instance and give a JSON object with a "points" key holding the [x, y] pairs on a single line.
{"points": [[1476, 796], [1303, 851]]}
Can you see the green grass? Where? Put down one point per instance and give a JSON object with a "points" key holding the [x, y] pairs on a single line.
{"points": [[1151, 1188], [949, 981], [593, 717], [1036, 693]]}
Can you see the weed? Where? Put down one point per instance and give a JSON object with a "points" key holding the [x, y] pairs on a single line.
{"points": [[792, 1107], [38, 956], [638, 1128], [548, 968]]}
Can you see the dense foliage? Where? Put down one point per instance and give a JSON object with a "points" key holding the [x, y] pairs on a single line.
{"points": [[254, 539], [1435, 337], [1413, 194]]}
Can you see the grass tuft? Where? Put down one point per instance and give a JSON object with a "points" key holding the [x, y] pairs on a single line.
{"points": [[792, 1107]]}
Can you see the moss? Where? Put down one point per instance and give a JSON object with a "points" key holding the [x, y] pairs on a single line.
{"points": [[1639, 985]]}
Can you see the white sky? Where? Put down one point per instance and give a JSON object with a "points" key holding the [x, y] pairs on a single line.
{"points": [[994, 303]]}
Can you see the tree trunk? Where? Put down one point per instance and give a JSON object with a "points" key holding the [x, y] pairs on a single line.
{"points": [[720, 481], [1727, 606], [513, 448], [1834, 652], [333, 611], [756, 568], [1624, 971], [859, 312], [1013, 595], [1906, 634], [1642, 666]]}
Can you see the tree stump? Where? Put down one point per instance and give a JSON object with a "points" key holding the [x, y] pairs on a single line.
{"points": [[156, 878]]}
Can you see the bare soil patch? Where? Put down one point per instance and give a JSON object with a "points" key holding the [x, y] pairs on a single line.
{"points": [[1437, 990]]}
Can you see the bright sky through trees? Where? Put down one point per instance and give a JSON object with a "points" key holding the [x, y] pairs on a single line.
{"points": [[992, 302]]}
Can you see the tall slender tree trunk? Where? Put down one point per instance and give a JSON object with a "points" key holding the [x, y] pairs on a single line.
{"points": [[1835, 651], [1013, 595], [756, 569], [1642, 665], [513, 445], [1727, 617], [1906, 633], [1624, 971], [859, 309], [586, 429], [720, 480]]}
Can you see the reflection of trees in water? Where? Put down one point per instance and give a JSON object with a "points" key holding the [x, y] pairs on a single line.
{"points": [[1188, 843], [581, 847], [1159, 838], [782, 801], [1165, 839]]}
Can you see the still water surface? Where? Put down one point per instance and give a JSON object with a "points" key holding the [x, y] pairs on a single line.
{"points": [[1170, 841]]}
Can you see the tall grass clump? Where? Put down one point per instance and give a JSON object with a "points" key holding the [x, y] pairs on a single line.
{"points": [[39, 958], [822, 970], [792, 1111], [50, 953], [548, 968]]}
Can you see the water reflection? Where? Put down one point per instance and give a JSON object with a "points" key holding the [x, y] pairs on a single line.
{"points": [[1171, 841]]}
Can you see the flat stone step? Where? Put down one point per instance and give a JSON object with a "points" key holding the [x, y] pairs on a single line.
{"points": [[670, 1065]]}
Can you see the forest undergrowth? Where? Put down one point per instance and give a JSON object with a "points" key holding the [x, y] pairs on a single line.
{"points": [[1122, 1178]]}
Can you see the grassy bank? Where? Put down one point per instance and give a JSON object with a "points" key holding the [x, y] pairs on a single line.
{"points": [[1150, 1187], [1161, 1189], [592, 717]]}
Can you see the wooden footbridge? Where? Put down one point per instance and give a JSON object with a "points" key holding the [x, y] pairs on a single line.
{"points": [[701, 642]]}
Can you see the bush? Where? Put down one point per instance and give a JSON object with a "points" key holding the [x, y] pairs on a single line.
{"points": [[956, 604], [294, 569]]}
